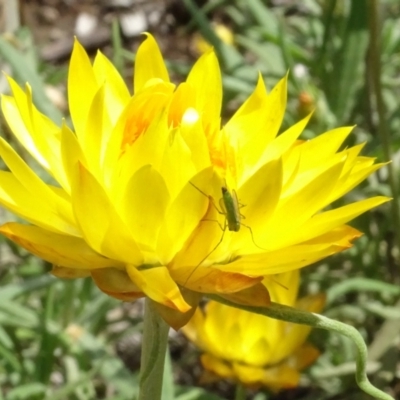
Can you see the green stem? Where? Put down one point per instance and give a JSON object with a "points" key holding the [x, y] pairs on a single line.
{"points": [[289, 314], [154, 346], [240, 393], [375, 67]]}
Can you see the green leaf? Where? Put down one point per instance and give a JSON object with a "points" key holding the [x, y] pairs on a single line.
{"points": [[27, 391], [14, 314], [347, 75]]}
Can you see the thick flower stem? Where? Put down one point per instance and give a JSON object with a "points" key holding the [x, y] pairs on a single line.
{"points": [[154, 346], [285, 313]]}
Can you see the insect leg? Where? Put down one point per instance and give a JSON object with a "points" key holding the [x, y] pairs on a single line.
{"points": [[252, 236]]}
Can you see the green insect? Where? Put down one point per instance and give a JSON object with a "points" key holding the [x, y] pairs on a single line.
{"points": [[230, 208], [230, 203]]}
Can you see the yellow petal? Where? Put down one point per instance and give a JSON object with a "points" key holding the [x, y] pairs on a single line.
{"points": [[303, 357], [205, 79], [37, 133], [175, 318], [329, 220], [116, 93], [323, 146], [177, 160], [82, 87], [260, 196], [156, 283], [275, 378], [283, 260], [256, 296], [281, 377], [35, 209], [298, 208], [36, 187], [116, 283], [352, 180], [210, 280], [139, 138], [283, 288], [144, 205], [178, 226], [61, 250], [194, 136], [71, 154], [97, 130], [101, 225], [217, 366], [264, 113], [149, 64], [69, 273], [281, 144]]}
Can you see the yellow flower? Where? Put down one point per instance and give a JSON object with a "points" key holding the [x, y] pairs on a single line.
{"points": [[132, 198], [251, 348]]}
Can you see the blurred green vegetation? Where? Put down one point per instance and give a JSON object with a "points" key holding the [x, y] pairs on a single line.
{"points": [[58, 339]]}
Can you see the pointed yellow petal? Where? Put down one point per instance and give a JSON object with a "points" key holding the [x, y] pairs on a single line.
{"points": [[323, 146], [282, 143], [205, 79], [17, 117], [149, 64], [282, 260], [329, 220], [194, 136], [344, 185], [264, 114], [61, 250], [260, 196], [71, 154], [33, 183], [97, 131], [35, 209], [37, 133], [116, 92], [82, 87]]}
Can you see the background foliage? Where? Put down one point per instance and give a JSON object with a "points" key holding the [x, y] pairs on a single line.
{"points": [[66, 340]]}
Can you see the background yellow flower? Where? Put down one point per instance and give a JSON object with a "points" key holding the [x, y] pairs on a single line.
{"points": [[253, 349]]}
